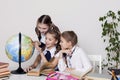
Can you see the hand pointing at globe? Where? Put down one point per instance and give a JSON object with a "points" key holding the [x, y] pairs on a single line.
{"points": [[37, 46], [28, 69]]}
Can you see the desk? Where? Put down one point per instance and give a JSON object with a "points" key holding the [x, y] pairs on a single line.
{"points": [[96, 76], [25, 77]]}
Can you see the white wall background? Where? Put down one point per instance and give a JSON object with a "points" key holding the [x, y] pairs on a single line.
{"points": [[78, 15]]}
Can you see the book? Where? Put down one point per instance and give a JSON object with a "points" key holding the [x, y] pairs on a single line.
{"points": [[33, 72], [47, 68], [3, 64], [4, 69], [4, 74], [4, 78], [46, 72], [79, 74], [44, 69]]}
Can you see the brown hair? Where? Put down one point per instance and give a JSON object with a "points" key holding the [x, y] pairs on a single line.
{"points": [[54, 30], [45, 19], [70, 36]]}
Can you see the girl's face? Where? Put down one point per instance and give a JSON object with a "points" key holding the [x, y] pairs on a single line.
{"points": [[64, 44], [43, 28], [50, 41]]}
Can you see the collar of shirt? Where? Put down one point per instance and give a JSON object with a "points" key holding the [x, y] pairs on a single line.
{"points": [[73, 49], [52, 51], [69, 57]]}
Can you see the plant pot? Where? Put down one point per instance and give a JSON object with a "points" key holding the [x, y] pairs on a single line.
{"points": [[117, 71]]}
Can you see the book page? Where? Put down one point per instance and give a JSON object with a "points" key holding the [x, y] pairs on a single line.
{"points": [[35, 71], [79, 74]]}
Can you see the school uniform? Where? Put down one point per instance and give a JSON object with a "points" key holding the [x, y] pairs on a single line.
{"points": [[42, 45], [42, 40], [52, 54], [78, 60], [52, 51]]}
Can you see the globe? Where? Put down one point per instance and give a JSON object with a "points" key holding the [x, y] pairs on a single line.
{"points": [[12, 48]]}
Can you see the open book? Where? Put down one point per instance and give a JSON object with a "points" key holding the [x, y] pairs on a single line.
{"points": [[47, 68], [44, 69], [79, 74], [33, 72]]}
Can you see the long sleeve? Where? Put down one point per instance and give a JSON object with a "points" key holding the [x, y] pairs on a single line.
{"points": [[80, 61], [61, 65]]}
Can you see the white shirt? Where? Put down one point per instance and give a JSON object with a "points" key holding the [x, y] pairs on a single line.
{"points": [[42, 38], [52, 51], [79, 61]]}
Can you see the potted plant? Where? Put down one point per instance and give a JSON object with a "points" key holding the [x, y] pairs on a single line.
{"points": [[111, 36]]}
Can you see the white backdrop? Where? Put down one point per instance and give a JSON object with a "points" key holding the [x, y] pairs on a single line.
{"points": [[78, 15]]}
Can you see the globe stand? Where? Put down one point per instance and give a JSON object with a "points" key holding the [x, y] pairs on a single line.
{"points": [[19, 70]]}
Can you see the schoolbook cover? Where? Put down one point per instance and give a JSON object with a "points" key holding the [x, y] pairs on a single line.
{"points": [[3, 74], [4, 69], [3, 64]]}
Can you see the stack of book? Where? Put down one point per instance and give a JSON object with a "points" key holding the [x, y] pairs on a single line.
{"points": [[4, 71]]}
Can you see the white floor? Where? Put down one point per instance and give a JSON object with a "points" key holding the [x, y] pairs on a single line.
{"points": [[25, 77]]}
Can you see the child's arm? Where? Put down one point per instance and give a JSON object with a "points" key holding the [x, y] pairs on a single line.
{"points": [[43, 57], [36, 44], [35, 64], [60, 60], [54, 61]]}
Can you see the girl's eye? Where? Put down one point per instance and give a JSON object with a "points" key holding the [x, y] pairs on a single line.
{"points": [[50, 40], [44, 28]]}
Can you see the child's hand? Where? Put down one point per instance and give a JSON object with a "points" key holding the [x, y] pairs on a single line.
{"points": [[28, 69], [68, 52], [36, 42], [37, 46]]}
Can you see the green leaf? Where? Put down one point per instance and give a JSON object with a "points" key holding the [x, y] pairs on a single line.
{"points": [[118, 12], [103, 33], [101, 19]]}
